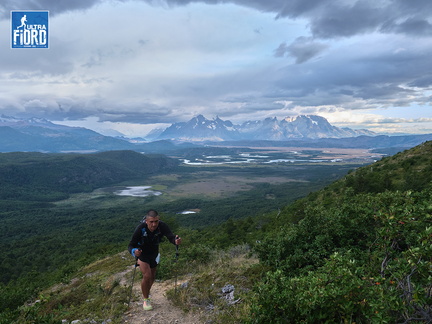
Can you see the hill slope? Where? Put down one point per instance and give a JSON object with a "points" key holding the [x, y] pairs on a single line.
{"points": [[359, 249], [57, 175], [40, 135]]}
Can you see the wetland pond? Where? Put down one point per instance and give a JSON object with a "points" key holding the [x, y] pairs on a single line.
{"points": [[136, 191]]}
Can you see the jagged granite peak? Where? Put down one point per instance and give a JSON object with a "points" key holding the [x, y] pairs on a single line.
{"points": [[309, 126], [200, 128]]}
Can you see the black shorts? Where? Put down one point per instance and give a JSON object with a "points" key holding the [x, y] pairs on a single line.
{"points": [[151, 259]]}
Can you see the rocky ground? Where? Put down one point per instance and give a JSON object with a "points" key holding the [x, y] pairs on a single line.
{"points": [[164, 312]]}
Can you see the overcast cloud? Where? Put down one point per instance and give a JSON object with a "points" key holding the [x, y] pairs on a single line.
{"points": [[132, 65]]}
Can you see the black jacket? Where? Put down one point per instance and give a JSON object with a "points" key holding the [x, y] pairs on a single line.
{"points": [[149, 241]]}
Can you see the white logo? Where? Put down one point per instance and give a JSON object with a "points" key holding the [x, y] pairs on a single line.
{"points": [[29, 29]]}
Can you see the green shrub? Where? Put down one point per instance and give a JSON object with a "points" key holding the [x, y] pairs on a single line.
{"points": [[338, 292], [366, 260]]}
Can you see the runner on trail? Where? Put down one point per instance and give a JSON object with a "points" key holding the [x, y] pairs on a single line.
{"points": [[144, 246]]}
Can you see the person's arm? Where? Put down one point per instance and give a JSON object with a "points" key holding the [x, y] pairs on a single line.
{"points": [[134, 242], [165, 230]]}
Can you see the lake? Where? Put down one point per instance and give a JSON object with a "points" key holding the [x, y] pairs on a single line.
{"points": [[137, 191]]}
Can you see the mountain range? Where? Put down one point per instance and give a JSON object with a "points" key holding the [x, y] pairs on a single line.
{"points": [[38, 134], [201, 129], [41, 135]]}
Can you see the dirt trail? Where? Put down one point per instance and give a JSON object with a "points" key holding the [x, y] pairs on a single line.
{"points": [[164, 312]]}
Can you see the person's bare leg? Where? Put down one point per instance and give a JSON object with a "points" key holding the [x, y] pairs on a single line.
{"points": [[149, 275], [148, 279]]}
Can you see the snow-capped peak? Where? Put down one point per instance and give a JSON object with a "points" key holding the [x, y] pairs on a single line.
{"points": [[303, 126]]}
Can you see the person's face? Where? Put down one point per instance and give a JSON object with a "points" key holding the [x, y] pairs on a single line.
{"points": [[152, 223]]}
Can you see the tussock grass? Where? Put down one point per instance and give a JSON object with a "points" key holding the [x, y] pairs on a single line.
{"points": [[201, 289], [99, 292]]}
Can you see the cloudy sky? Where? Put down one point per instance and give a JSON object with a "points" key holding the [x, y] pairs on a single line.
{"points": [[132, 65]]}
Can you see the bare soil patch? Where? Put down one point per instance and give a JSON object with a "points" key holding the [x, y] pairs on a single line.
{"points": [[222, 185], [164, 312], [331, 152]]}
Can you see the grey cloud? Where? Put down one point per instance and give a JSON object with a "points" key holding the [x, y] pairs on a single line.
{"points": [[337, 80], [151, 115], [76, 108], [39, 61], [281, 50], [303, 49], [99, 56], [421, 8], [336, 20], [282, 8], [54, 6], [411, 26], [328, 18], [422, 82], [53, 108], [382, 91]]}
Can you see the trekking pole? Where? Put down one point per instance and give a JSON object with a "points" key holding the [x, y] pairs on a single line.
{"points": [[176, 270], [133, 277]]}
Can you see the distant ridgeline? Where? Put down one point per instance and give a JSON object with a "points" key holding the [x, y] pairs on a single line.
{"points": [[41, 135]]}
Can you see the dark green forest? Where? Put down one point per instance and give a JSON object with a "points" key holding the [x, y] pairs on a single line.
{"points": [[358, 250], [50, 177]]}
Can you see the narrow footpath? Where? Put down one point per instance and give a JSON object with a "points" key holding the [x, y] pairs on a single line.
{"points": [[164, 312]]}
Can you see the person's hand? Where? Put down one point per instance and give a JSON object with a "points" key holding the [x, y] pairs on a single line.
{"points": [[178, 240], [137, 252]]}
